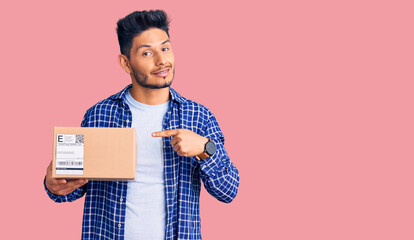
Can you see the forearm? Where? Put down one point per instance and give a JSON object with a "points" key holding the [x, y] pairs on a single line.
{"points": [[220, 177]]}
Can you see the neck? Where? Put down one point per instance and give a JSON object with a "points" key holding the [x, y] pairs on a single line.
{"points": [[149, 96]]}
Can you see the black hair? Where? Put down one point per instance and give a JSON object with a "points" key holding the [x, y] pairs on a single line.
{"points": [[135, 23]]}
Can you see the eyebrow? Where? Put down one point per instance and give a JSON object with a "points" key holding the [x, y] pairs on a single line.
{"points": [[146, 45]]}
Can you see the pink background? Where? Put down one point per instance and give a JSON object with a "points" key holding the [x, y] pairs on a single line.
{"points": [[315, 99]]}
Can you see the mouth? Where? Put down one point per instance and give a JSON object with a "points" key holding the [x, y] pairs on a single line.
{"points": [[162, 73]]}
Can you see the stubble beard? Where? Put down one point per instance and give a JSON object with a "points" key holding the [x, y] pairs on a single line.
{"points": [[142, 80]]}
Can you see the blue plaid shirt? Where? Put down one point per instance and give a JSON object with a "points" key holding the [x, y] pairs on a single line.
{"points": [[104, 211]]}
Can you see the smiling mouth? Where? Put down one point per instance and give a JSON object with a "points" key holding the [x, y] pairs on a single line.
{"points": [[162, 72]]}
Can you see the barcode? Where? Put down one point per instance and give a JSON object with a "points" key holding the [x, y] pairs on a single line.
{"points": [[69, 163]]}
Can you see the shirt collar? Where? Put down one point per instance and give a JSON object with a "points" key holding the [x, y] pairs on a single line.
{"points": [[175, 96]]}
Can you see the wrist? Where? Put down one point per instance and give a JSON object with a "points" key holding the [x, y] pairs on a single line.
{"points": [[209, 150]]}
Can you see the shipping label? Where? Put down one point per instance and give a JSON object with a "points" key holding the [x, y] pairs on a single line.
{"points": [[69, 154]]}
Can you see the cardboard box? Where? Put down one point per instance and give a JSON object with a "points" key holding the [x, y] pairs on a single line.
{"points": [[94, 153]]}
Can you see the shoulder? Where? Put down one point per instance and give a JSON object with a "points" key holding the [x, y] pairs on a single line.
{"points": [[191, 107], [106, 108], [195, 110], [110, 102], [103, 105], [199, 119]]}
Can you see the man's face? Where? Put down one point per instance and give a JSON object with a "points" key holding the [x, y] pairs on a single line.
{"points": [[152, 59]]}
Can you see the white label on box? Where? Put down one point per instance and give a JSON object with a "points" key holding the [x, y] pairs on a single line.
{"points": [[69, 154]]}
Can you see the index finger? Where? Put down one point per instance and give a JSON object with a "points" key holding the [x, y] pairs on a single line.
{"points": [[165, 133]]}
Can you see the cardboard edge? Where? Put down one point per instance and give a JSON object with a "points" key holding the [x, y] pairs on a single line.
{"points": [[54, 154], [55, 176]]}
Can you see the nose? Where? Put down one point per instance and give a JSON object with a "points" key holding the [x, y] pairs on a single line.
{"points": [[161, 59]]}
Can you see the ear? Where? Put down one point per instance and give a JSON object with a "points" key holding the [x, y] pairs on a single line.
{"points": [[124, 63]]}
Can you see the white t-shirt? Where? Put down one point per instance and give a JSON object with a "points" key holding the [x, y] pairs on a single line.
{"points": [[145, 216]]}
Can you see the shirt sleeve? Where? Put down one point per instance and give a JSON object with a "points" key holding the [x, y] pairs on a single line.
{"points": [[219, 175]]}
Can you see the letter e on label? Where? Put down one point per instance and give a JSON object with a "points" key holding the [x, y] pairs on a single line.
{"points": [[60, 138]]}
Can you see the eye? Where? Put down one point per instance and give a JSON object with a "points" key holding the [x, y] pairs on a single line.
{"points": [[146, 54], [165, 49]]}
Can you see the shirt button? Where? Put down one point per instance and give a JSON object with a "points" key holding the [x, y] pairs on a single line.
{"points": [[119, 225], [127, 120], [121, 199]]}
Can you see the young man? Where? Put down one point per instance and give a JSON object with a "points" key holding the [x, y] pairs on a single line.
{"points": [[180, 144]]}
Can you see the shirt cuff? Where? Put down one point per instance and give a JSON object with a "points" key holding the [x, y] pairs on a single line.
{"points": [[212, 166]]}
